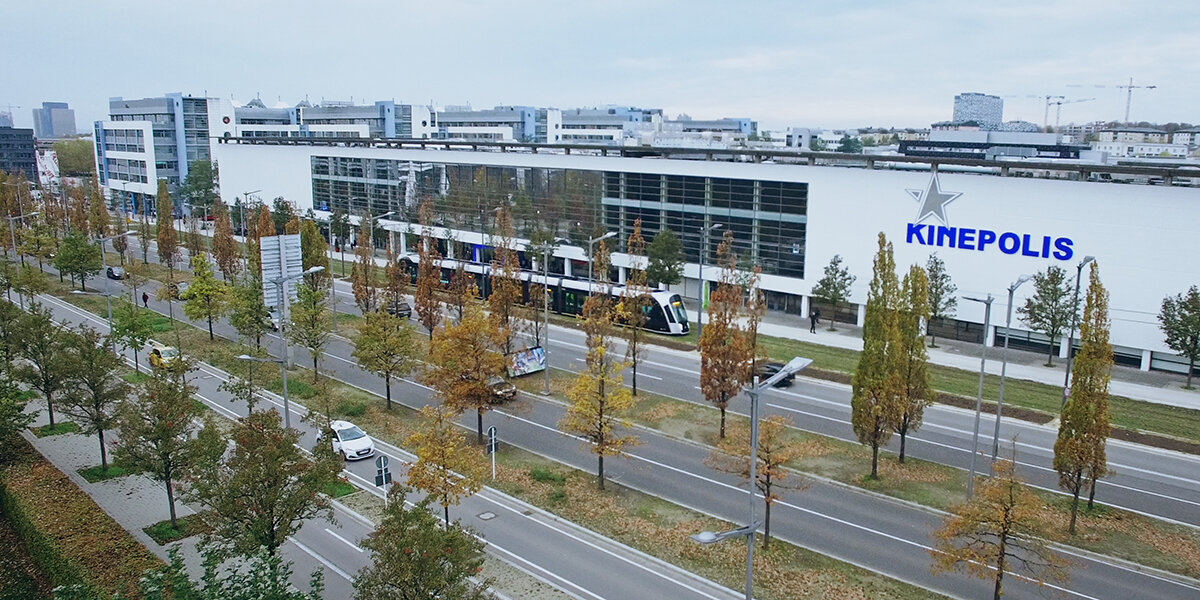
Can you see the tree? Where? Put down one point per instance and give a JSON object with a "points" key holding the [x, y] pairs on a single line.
{"points": [[635, 302], [193, 242], [98, 217], [261, 577], [447, 468], [916, 391], [75, 157], [78, 258], [282, 212], [465, 355], [248, 310], [665, 254], [201, 187], [724, 352], [312, 323], [395, 285], [362, 274], [39, 242], [874, 406], [504, 303], [42, 345], [996, 533], [461, 289], [314, 252], [10, 334], [429, 275], [818, 145], [1179, 319], [132, 328], [168, 241], [94, 387], [339, 229], [224, 246], [775, 450], [1079, 451], [164, 433], [1049, 310], [850, 145], [755, 308], [942, 300], [265, 225], [13, 417], [600, 404], [207, 297], [265, 488], [834, 287], [385, 346], [414, 559]]}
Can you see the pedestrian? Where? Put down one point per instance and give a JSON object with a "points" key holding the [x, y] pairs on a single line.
{"points": [[813, 318], [145, 300]]}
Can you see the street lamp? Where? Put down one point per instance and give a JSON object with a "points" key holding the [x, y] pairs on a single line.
{"points": [[283, 375], [546, 248], [708, 537], [12, 231], [1004, 361], [280, 285], [103, 264], [245, 230], [987, 324], [703, 288], [1074, 323], [592, 242]]}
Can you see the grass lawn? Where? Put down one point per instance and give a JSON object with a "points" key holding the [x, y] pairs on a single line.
{"points": [[338, 489], [164, 533], [60, 427], [97, 473]]}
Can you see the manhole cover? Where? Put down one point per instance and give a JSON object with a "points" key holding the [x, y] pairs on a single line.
{"points": [[487, 516]]}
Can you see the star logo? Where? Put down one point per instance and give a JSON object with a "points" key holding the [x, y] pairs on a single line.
{"points": [[933, 201]]}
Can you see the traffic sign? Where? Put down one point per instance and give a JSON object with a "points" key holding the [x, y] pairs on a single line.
{"points": [[383, 475], [492, 443]]}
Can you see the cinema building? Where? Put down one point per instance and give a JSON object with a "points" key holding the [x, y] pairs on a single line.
{"points": [[789, 213]]}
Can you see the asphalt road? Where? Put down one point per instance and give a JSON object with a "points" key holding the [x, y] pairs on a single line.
{"points": [[879, 534]]}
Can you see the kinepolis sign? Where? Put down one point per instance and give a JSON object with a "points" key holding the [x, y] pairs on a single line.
{"points": [[933, 203]]}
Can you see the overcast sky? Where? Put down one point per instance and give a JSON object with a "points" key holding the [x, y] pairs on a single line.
{"points": [[824, 64]]}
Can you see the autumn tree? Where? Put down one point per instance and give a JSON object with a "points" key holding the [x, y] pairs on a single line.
{"points": [[42, 344], [94, 387], [465, 356], [461, 290], [78, 258], [224, 246], [447, 468], [98, 217], [38, 241], [311, 322], [1079, 451], [874, 406], [998, 532], [1049, 310], [754, 306], [314, 252], [258, 577], [724, 352], [264, 225], [942, 300], [505, 301], [665, 258], [834, 287], [600, 403], [362, 274], [339, 230], [168, 241], [429, 276], [770, 474], [207, 297], [386, 346], [265, 488], [1179, 320], [635, 302], [916, 390], [414, 559], [164, 433]]}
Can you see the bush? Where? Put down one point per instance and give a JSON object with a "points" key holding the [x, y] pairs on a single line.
{"points": [[545, 475]]}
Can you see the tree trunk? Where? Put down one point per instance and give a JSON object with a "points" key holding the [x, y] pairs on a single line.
{"points": [[722, 422], [1050, 356], [103, 452], [932, 341], [446, 513], [50, 409], [998, 590], [1191, 366], [1092, 495], [1074, 507], [634, 377], [135, 361], [479, 426], [171, 502], [874, 460], [903, 438], [600, 472], [387, 388], [316, 374], [767, 523], [210, 332]]}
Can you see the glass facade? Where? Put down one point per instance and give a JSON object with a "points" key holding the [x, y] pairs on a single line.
{"points": [[768, 219]]}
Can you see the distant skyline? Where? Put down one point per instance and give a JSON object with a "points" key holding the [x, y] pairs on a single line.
{"points": [[808, 64]]}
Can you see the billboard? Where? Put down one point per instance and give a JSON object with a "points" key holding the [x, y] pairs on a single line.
{"points": [[280, 255], [524, 362]]}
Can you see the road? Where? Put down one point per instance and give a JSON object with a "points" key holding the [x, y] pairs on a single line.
{"points": [[879, 534]]}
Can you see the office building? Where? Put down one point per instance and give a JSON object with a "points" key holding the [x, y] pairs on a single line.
{"points": [[984, 109], [17, 152], [6, 119], [53, 120], [499, 124]]}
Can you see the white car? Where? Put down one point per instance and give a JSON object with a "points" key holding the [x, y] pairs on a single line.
{"points": [[350, 441]]}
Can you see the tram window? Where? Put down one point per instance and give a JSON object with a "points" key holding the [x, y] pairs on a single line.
{"points": [[680, 312]]}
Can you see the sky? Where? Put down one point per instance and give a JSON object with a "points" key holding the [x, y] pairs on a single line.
{"points": [[827, 64]]}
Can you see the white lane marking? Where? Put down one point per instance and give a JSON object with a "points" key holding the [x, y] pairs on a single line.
{"points": [[655, 377], [321, 559], [344, 540]]}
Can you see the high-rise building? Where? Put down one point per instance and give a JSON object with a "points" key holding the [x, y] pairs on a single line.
{"points": [[16, 152], [53, 120], [984, 109], [6, 119]]}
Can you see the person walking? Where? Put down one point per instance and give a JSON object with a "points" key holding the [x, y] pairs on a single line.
{"points": [[813, 318], [145, 300]]}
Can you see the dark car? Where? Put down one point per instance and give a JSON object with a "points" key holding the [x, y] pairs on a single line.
{"points": [[502, 390], [400, 308], [770, 368], [116, 273]]}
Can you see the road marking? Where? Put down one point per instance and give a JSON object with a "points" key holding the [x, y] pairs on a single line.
{"points": [[321, 559], [655, 377], [344, 540]]}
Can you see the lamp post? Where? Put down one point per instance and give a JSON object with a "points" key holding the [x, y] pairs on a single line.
{"points": [[707, 537], [546, 248], [280, 284], [282, 373], [12, 231], [591, 243], [703, 288], [1004, 362], [103, 264], [1074, 323], [987, 324], [245, 230]]}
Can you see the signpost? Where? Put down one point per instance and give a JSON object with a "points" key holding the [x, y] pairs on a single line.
{"points": [[492, 446], [383, 475], [277, 265]]}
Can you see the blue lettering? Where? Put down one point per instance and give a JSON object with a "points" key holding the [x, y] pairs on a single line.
{"points": [[916, 231], [966, 238], [1064, 250], [945, 234], [1009, 243], [1045, 246], [985, 237], [1025, 249]]}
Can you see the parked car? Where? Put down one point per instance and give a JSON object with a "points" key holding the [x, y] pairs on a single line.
{"points": [[400, 309], [117, 273], [164, 357], [350, 441], [770, 368], [502, 390]]}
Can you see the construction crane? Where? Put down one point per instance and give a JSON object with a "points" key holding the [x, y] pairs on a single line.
{"points": [[1046, 117], [1060, 102], [1128, 87]]}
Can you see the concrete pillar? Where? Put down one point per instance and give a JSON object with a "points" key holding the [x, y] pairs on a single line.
{"points": [[392, 245], [1063, 348], [403, 244], [862, 320], [621, 274], [805, 308], [989, 336], [568, 271], [450, 249], [1146, 356]]}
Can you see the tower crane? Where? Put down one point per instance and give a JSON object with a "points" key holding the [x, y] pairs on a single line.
{"points": [[1128, 87], [1058, 111]]}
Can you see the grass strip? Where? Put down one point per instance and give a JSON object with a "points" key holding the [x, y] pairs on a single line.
{"points": [[163, 532], [59, 428], [98, 473]]}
